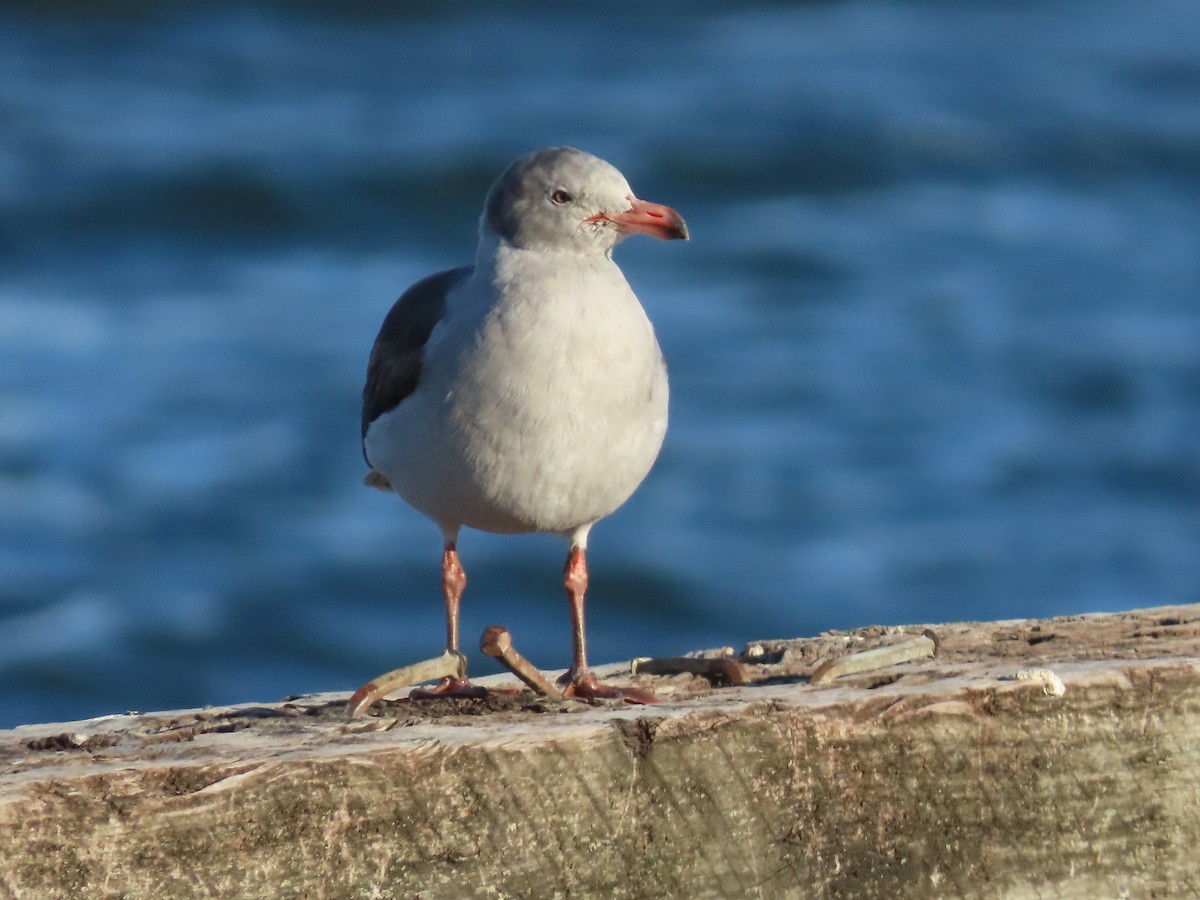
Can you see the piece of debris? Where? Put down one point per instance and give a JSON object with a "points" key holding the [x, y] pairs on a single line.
{"points": [[719, 669], [497, 643], [444, 666], [879, 658], [1052, 685]]}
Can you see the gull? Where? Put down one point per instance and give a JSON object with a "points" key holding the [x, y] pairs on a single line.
{"points": [[525, 393]]}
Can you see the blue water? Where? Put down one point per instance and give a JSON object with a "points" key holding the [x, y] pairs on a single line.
{"points": [[935, 345]]}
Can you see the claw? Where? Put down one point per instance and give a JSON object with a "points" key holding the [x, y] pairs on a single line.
{"points": [[450, 687], [584, 686]]}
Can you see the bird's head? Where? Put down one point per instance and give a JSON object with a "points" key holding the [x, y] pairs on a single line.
{"points": [[560, 199]]}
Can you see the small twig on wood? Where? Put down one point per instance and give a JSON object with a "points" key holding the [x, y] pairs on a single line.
{"points": [[497, 643], [446, 665], [723, 669], [879, 658]]}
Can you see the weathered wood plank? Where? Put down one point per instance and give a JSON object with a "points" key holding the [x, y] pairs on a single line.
{"points": [[942, 777]]}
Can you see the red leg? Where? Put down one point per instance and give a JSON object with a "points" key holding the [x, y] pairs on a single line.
{"points": [[454, 581], [579, 680], [575, 580]]}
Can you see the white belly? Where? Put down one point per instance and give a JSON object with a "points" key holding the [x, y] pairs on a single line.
{"points": [[541, 414]]}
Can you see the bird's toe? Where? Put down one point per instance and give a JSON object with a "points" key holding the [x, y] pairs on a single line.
{"points": [[584, 686]]}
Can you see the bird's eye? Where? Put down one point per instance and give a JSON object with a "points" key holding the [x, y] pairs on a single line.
{"points": [[559, 197]]}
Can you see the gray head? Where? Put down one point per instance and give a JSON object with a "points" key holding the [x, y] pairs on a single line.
{"points": [[560, 199]]}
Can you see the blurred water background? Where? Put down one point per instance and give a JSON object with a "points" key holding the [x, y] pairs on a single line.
{"points": [[935, 345]]}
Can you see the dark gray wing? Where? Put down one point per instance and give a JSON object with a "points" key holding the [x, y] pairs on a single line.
{"points": [[395, 365]]}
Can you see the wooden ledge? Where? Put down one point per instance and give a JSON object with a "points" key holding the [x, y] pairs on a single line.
{"points": [[942, 777]]}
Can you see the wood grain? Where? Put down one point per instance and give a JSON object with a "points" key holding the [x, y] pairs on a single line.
{"points": [[944, 777]]}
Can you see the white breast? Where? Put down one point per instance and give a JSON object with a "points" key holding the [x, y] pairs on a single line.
{"points": [[542, 404]]}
